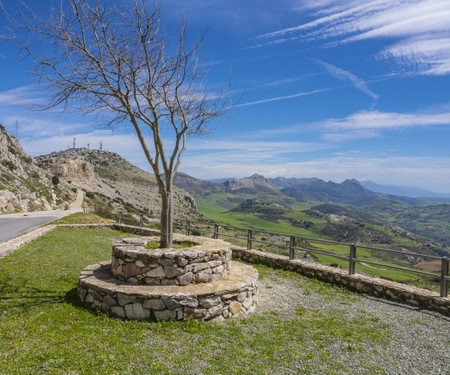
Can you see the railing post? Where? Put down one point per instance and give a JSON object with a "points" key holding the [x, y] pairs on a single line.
{"points": [[444, 274], [291, 247], [188, 225], [351, 261], [249, 239], [119, 216], [216, 231], [141, 221]]}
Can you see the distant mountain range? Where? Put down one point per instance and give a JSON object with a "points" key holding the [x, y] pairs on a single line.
{"points": [[350, 192], [406, 191]]}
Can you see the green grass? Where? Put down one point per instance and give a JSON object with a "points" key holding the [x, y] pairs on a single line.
{"points": [[212, 209], [82, 218], [44, 330]]}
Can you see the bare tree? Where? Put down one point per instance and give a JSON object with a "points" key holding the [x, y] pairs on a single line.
{"points": [[119, 62]]}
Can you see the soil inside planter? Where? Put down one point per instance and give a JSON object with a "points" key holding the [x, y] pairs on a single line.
{"points": [[176, 245]]}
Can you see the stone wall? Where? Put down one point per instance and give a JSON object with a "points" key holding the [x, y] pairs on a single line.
{"points": [[233, 297], [207, 261], [360, 283]]}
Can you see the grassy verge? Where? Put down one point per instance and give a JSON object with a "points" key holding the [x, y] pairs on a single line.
{"points": [[44, 330], [82, 218]]}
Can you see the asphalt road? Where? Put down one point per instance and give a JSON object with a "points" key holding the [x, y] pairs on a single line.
{"points": [[13, 225]]}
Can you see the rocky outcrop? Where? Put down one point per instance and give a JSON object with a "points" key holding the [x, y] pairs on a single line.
{"points": [[75, 170], [24, 186], [250, 184], [112, 181]]}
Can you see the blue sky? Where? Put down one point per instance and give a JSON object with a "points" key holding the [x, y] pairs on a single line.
{"points": [[333, 89]]}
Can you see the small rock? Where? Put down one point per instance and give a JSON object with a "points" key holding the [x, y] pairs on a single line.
{"points": [[154, 304], [125, 299], [157, 272], [172, 271], [235, 307], [186, 278], [164, 315], [210, 302]]}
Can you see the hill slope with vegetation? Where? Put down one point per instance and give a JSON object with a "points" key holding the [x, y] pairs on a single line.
{"points": [[372, 219], [113, 184], [24, 186]]}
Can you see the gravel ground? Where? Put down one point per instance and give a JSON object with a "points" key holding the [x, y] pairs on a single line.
{"points": [[418, 343]]}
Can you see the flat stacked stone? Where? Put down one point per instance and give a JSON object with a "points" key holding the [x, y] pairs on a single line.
{"points": [[234, 296], [209, 260], [198, 282]]}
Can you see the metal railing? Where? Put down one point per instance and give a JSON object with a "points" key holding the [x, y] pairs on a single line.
{"points": [[293, 244]]}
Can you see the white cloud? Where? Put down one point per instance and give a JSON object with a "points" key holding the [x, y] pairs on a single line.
{"points": [[286, 80], [426, 172], [421, 28], [277, 98], [214, 158], [373, 120], [345, 75], [24, 95], [363, 124], [31, 127], [427, 56]]}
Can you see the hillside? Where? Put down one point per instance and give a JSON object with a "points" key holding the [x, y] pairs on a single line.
{"points": [[113, 183], [196, 187], [24, 186], [345, 212], [348, 192]]}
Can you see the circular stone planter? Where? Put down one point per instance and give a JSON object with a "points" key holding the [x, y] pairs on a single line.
{"points": [[207, 261], [198, 282], [232, 297]]}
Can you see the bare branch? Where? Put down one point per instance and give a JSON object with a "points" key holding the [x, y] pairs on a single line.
{"points": [[118, 63]]}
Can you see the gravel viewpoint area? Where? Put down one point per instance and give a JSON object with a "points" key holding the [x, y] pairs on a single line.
{"points": [[418, 341]]}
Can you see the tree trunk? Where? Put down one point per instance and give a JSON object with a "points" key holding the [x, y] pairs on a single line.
{"points": [[166, 239]]}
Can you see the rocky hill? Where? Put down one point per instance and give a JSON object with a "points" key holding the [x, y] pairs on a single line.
{"points": [[196, 187], [348, 192], [24, 186], [254, 183], [113, 183]]}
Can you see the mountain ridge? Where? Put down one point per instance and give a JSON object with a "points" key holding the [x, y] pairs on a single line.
{"points": [[113, 182]]}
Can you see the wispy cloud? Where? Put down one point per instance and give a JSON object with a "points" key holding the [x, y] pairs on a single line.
{"points": [[366, 120], [24, 95], [278, 98], [413, 171], [427, 56], [348, 76], [421, 28], [287, 81], [36, 128], [362, 124]]}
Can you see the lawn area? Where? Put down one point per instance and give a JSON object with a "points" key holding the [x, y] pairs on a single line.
{"points": [[44, 330]]}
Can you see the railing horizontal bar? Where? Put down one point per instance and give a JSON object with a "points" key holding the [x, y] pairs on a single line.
{"points": [[318, 240], [231, 236], [322, 253], [270, 243], [399, 252], [398, 268]]}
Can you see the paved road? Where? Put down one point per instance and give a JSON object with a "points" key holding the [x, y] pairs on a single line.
{"points": [[13, 225]]}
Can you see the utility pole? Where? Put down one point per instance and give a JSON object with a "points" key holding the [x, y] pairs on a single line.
{"points": [[16, 130], [74, 143], [101, 146]]}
